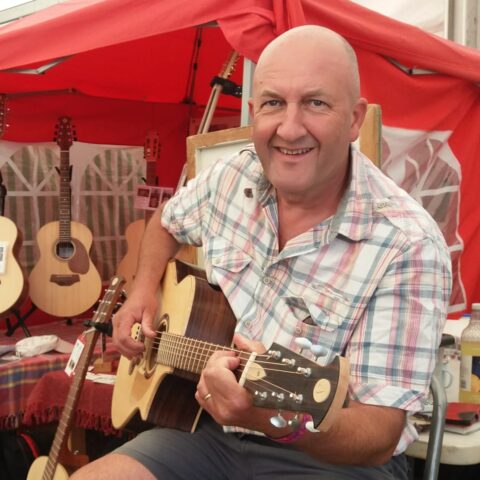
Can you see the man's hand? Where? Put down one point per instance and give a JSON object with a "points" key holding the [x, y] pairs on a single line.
{"points": [[218, 390], [139, 308]]}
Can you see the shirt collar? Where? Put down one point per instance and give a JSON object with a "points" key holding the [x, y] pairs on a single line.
{"points": [[354, 215]]}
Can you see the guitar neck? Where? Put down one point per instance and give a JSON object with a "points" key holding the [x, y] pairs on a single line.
{"points": [[152, 180], [65, 201], [186, 354], [66, 418]]}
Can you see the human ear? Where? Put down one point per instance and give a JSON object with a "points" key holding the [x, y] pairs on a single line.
{"points": [[359, 111], [250, 107]]}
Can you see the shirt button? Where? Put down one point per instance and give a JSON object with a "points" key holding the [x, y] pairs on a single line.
{"points": [[298, 330], [267, 280], [215, 261]]}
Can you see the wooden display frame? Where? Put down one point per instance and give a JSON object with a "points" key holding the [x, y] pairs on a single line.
{"points": [[203, 150]]}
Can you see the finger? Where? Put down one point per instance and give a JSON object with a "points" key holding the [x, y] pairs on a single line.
{"points": [[147, 324], [243, 343]]}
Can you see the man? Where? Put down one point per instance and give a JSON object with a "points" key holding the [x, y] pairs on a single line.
{"points": [[307, 239]]}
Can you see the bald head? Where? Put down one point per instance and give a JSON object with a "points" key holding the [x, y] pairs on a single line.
{"points": [[312, 40]]}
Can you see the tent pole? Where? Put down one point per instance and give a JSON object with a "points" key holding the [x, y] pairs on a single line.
{"points": [[248, 69]]}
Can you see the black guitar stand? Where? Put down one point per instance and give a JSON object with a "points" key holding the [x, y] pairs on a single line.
{"points": [[20, 322]]}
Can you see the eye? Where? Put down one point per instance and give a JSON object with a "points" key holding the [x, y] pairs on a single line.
{"points": [[271, 103], [314, 102]]}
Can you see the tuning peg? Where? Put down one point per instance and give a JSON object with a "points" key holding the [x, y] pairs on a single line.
{"points": [[275, 354], [279, 396], [294, 422], [278, 421], [311, 427], [319, 351], [303, 342]]}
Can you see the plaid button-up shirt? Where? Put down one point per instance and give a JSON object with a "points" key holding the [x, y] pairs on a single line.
{"points": [[371, 283]]}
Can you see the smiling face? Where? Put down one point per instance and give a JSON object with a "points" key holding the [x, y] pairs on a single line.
{"points": [[306, 111]]}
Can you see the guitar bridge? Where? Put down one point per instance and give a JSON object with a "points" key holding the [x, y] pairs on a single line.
{"points": [[64, 280]]}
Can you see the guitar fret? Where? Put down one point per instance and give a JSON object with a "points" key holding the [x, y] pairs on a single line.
{"points": [[184, 353]]}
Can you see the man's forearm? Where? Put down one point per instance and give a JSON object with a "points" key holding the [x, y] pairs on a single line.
{"points": [[156, 249], [361, 435]]}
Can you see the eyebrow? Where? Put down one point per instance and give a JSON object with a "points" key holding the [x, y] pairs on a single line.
{"points": [[309, 93]]}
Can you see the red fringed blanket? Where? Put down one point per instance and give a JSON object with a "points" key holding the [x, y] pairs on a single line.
{"points": [[46, 401]]}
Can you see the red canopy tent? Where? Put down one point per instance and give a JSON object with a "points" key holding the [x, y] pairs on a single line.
{"points": [[121, 67]]}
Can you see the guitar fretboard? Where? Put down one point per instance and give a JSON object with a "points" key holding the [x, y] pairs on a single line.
{"points": [[65, 198], [185, 353]]}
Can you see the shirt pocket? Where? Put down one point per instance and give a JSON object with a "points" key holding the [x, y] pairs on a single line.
{"points": [[319, 306], [224, 257]]}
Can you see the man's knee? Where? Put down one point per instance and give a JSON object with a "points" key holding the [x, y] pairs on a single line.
{"points": [[114, 465]]}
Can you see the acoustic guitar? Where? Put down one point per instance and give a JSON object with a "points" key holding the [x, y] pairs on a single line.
{"points": [[193, 321], [64, 282], [50, 468], [13, 287], [134, 232]]}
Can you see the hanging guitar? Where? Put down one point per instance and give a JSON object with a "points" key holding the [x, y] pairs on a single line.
{"points": [[50, 468], [64, 282], [13, 286], [134, 232], [193, 322]]}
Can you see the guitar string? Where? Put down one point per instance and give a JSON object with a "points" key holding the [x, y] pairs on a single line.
{"points": [[174, 345], [261, 382], [172, 341]]}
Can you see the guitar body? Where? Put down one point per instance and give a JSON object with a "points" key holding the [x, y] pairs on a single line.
{"points": [[61, 286], [134, 232], [137, 387], [37, 470], [128, 265], [193, 321], [13, 287]]}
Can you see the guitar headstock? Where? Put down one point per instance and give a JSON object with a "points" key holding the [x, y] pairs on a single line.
{"points": [[109, 303], [151, 153], [286, 381], [64, 133], [151, 148], [229, 66]]}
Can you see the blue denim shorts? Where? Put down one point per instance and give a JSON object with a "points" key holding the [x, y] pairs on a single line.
{"points": [[211, 454]]}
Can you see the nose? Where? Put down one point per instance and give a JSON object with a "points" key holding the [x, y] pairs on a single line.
{"points": [[291, 126]]}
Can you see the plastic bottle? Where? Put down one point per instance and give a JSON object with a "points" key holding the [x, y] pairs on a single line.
{"points": [[470, 362]]}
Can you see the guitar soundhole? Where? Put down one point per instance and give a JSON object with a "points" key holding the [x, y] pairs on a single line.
{"points": [[64, 250], [152, 346]]}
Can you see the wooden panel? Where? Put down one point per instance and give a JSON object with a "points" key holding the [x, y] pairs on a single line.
{"points": [[370, 139]]}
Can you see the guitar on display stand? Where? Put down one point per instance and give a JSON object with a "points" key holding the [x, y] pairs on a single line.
{"points": [[134, 232], [13, 282], [64, 282], [51, 468], [193, 322], [13, 287]]}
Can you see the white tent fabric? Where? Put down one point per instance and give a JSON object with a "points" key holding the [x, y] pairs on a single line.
{"points": [[429, 15]]}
